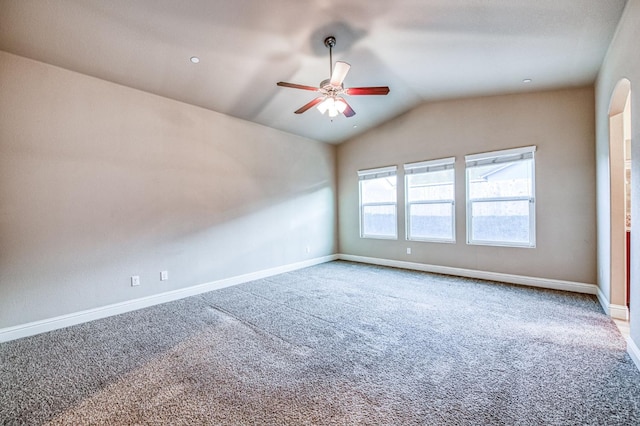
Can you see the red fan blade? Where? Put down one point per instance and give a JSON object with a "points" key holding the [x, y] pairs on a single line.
{"points": [[297, 86], [311, 104], [348, 111], [382, 90], [340, 71]]}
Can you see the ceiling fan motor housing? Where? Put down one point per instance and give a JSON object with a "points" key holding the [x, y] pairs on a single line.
{"points": [[326, 85]]}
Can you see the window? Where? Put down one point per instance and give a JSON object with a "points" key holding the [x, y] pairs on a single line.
{"points": [[378, 199], [501, 198], [429, 187]]}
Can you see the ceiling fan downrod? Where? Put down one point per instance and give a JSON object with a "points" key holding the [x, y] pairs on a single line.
{"points": [[330, 42]]}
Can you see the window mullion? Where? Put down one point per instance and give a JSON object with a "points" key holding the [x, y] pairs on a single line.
{"points": [[431, 202], [499, 199]]}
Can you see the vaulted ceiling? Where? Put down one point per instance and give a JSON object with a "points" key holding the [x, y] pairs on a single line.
{"points": [[423, 50]]}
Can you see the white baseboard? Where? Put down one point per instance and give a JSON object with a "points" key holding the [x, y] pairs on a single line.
{"points": [[483, 275], [634, 352], [620, 312], [50, 324], [37, 327]]}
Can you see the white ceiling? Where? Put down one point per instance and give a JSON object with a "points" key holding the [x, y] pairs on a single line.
{"points": [[422, 49]]}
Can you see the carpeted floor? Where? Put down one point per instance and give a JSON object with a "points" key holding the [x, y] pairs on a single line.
{"points": [[338, 343]]}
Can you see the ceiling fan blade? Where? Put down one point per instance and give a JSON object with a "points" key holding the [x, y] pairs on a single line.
{"points": [[348, 111], [381, 90], [311, 104], [340, 71], [297, 86]]}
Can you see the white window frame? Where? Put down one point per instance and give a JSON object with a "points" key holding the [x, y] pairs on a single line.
{"points": [[496, 157], [427, 167], [377, 173]]}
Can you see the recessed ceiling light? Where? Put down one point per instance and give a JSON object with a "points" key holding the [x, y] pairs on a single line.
{"points": [[355, 126], [194, 59], [527, 80]]}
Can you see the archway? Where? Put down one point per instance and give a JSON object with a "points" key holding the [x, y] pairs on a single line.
{"points": [[619, 181]]}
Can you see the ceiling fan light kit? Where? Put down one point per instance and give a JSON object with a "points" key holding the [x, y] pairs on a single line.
{"points": [[331, 91], [333, 106]]}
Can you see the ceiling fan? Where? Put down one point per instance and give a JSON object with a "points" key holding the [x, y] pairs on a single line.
{"points": [[331, 91]]}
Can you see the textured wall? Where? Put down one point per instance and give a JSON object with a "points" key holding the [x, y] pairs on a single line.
{"points": [[99, 182], [561, 125], [622, 61]]}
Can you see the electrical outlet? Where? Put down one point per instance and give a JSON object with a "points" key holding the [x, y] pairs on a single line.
{"points": [[164, 275], [308, 249], [135, 280], [408, 250]]}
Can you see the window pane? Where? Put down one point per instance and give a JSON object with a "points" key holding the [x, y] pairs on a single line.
{"points": [[379, 221], [500, 221], [430, 186], [501, 180], [381, 190], [431, 221]]}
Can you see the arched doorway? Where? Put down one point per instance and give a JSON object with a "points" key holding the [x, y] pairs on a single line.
{"points": [[620, 197]]}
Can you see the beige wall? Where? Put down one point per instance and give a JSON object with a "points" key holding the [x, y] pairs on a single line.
{"points": [[622, 61], [99, 182], [561, 125]]}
